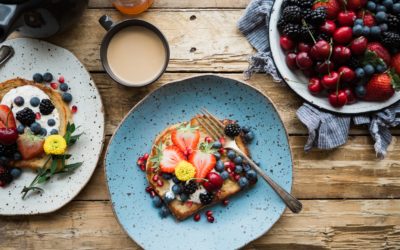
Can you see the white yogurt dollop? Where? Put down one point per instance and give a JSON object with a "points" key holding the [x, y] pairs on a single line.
{"points": [[28, 92]]}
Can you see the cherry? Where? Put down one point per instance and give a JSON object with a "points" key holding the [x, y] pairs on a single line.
{"points": [[286, 43], [348, 74], [214, 182], [303, 47], [341, 54], [355, 4], [359, 45], [369, 20], [338, 99], [351, 98], [8, 135], [328, 27], [346, 18], [321, 50], [315, 86], [325, 67], [343, 35], [330, 81], [291, 61], [304, 61]]}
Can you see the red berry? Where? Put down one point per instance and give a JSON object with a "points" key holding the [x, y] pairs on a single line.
{"points": [[321, 50], [343, 35], [214, 182], [346, 18], [341, 54], [338, 99], [210, 219], [208, 139], [236, 177], [209, 213], [38, 116], [325, 67], [315, 86], [348, 74], [351, 98], [225, 202], [328, 27], [142, 167], [304, 61], [140, 161], [54, 85], [155, 177], [330, 81], [222, 151], [61, 79], [148, 189], [74, 109], [359, 45], [222, 140], [286, 43], [304, 47], [160, 183], [145, 156], [291, 60], [196, 217]]}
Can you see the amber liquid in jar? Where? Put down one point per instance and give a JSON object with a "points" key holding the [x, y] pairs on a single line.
{"points": [[132, 7]]}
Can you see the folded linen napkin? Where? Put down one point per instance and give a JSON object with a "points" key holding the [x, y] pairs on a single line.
{"points": [[326, 130]]}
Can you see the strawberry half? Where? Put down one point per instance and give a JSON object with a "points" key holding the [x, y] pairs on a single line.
{"points": [[30, 146], [7, 119], [380, 51], [203, 160], [169, 158], [379, 88], [332, 7], [186, 138]]}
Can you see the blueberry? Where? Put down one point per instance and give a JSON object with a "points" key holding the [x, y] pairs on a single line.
{"points": [[238, 169], [157, 201], [369, 70], [67, 97], [19, 101], [175, 180], [366, 31], [166, 176], [251, 175], [384, 27], [54, 132], [380, 68], [238, 160], [371, 6], [38, 78], [360, 91], [387, 3], [64, 87], [47, 77], [35, 128], [375, 31], [17, 156], [34, 101], [219, 167], [43, 132], [360, 73], [231, 154], [21, 129], [16, 172], [176, 189], [380, 8], [359, 22], [249, 136], [184, 197], [246, 167], [217, 145], [217, 155], [357, 30], [164, 212], [243, 182], [245, 129], [396, 8], [381, 17], [224, 175], [169, 196], [51, 122]]}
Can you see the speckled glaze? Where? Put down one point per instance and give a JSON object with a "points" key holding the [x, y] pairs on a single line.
{"points": [[32, 56], [250, 214]]}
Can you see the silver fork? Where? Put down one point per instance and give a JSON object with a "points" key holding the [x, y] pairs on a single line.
{"points": [[215, 129]]}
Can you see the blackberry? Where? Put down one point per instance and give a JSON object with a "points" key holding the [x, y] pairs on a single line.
{"points": [[206, 198], [318, 16], [190, 187], [391, 39], [292, 14], [5, 175], [46, 107], [232, 130], [353, 63], [393, 22], [8, 150], [281, 24], [292, 30], [291, 3], [306, 3], [26, 116], [305, 34]]}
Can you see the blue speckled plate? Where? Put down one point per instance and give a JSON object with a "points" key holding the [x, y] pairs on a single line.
{"points": [[249, 215]]}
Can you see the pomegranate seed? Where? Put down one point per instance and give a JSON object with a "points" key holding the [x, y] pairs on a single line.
{"points": [[222, 151], [142, 167], [209, 213], [155, 177], [210, 219], [74, 109], [225, 202], [160, 183], [61, 79], [148, 189], [152, 193], [154, 170], [236, 177], [145, 156], [54, 85], [207, 139], [222, 140], [38, 116], [189, 203], [140, 162], [196, 217], [232, 175]]}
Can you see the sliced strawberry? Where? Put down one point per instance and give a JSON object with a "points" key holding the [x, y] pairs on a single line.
{"points": [[170, 157], [186, 138], [30, 146], [7, 117], [203, 162]]}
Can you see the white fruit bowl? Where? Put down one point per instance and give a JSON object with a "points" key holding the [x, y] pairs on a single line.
{"points": [[298, 82]]}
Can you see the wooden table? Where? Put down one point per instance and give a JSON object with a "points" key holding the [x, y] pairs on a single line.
{"points": [[351, 199]]}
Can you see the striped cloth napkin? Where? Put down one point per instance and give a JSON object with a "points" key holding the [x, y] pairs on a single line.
{"points": [[326, 130]]}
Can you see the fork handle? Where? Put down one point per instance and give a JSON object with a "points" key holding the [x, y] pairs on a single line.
{"points": [[293, 204]]}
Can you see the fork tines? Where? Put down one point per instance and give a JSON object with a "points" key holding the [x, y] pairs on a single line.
{"points": [[213, 126]]}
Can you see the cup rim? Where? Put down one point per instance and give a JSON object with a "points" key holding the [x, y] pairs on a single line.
{"points": [[117, 28]]}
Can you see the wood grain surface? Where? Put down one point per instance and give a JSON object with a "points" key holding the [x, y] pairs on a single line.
{"points": [[351, 199]]}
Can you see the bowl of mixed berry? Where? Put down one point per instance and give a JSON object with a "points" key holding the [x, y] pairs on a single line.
{"points": [[341, 55]]}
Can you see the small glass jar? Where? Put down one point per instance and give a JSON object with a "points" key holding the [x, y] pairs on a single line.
{"points": [[132, 7]]}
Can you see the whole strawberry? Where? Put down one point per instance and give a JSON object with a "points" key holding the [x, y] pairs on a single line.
{"points": [[379, 88], [396, 63], [332, 7], [380, 51]]}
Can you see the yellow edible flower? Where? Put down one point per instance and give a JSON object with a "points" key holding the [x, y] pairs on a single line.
{"points": [[55, 145], [184, 171]]}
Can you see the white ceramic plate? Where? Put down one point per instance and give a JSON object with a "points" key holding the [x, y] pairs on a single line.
{"points": [[32, 56], [298, 82]]}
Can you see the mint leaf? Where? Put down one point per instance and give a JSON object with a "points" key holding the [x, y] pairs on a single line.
{"points": [[395, 79], [370, 57]]}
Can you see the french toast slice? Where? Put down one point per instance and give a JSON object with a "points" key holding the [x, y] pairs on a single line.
{"points": [[182, 210], [55, 97]]}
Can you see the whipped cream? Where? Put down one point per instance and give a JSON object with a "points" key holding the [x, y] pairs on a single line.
{"points": [[28, 92]]}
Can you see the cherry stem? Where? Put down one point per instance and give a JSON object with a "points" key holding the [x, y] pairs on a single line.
{"points": [[337, 84], [328, 62], [344, 2], [309, 31]]}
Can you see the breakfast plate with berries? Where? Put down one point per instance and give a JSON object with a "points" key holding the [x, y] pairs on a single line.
{"points": [[162, 164], [342, 56], [51, 128]]}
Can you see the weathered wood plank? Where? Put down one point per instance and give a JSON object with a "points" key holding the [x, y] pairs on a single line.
{"points": [[181, 4], [351, 171], [368, 224]]}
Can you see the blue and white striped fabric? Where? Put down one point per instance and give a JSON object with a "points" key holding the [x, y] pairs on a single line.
{"points": [[326, 130]]}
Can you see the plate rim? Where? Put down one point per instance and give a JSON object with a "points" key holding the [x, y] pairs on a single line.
{"points": [[332, 110], [177, 81], [102, 139]]}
